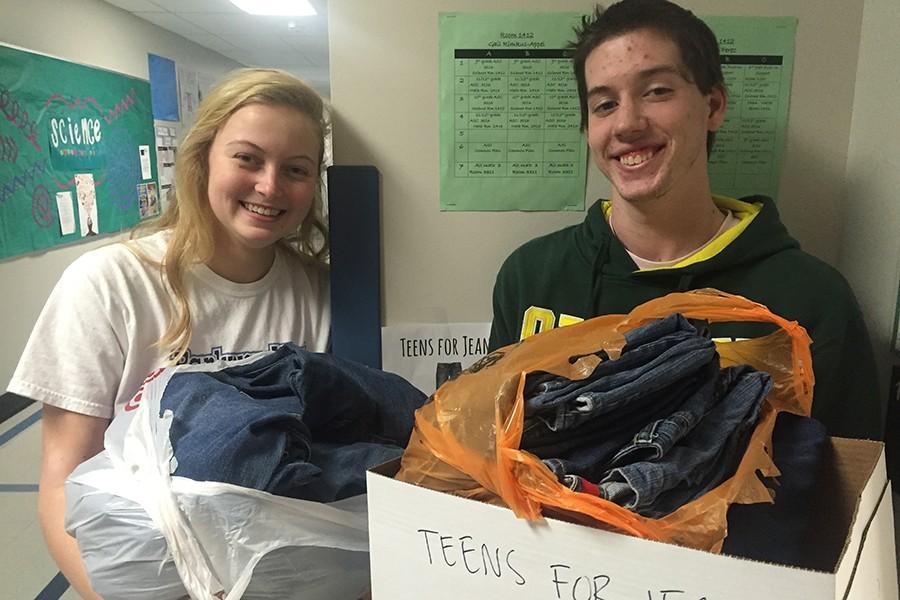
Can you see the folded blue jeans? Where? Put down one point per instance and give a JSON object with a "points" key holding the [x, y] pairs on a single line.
{"points": [[656, 356], [277, 423], [704, 457], [590, 449]]}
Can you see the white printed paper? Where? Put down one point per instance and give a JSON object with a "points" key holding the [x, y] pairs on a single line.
{"points": [[188, 94], [66, 212], [146, 173], [166, 176]]}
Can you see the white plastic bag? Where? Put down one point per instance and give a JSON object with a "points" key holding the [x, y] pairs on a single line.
{"points": [[137, 526]]}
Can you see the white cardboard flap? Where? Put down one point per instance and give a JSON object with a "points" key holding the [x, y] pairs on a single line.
{"points": [[874, 570], [430, 544]]}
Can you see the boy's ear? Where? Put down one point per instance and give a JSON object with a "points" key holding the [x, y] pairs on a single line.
{"points": [[718, 102]]}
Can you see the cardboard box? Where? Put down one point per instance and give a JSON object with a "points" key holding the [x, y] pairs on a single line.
{"points": [[427, 544]]}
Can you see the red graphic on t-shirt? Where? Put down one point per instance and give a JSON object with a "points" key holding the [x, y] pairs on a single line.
{"points": [[136, 400]]}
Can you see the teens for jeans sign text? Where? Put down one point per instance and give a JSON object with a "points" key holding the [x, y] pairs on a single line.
{"points": [[461, 346], [472, 558]]}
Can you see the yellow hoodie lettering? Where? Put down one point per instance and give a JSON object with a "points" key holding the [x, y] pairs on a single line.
{"points": [[537, 319]]}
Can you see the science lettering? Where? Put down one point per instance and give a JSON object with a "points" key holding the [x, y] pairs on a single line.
{"points": [[85, 131]]}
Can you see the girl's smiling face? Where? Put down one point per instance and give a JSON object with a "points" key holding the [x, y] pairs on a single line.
{"points": [[263, 173]]}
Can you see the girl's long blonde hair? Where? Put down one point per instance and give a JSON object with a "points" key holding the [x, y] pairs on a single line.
{"points": [[188, 215]]}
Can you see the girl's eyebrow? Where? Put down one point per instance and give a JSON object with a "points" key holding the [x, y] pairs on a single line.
{"points": [[258, 148], [245, 142]]}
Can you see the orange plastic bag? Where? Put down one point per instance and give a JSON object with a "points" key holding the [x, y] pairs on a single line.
{"points": [[466, 439]]}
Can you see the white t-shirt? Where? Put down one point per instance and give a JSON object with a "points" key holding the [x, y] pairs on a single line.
{"points": [[93, 343], [644, 264]]}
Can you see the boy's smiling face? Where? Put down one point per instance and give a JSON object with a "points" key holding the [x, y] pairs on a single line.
{"points": [[647, 121]]}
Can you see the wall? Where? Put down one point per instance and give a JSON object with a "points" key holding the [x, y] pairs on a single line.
{"points": [[441, 266], [96, 34], [871, 242]]}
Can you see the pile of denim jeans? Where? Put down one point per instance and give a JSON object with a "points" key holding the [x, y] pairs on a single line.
{"points": [[302, 426], [651, 430], [293, 423]]}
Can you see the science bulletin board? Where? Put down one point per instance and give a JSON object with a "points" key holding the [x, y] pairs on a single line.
{"points": [[77, 152]]}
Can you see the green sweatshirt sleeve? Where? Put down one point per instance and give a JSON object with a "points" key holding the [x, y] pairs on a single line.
{"points": [[847, 396], [502, 324]]}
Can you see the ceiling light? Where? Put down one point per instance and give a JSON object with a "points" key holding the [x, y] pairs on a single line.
{"points": [[281, 8]]}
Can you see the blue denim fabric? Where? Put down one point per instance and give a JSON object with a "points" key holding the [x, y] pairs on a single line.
{"points": [[539, 383], [276, 424], [702, 459], [342, 470], [781, 532], [659, 436], [590, 448], [656, 357]]}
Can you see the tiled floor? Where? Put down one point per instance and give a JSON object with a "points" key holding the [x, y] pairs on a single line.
{"points": [[26, 569]]}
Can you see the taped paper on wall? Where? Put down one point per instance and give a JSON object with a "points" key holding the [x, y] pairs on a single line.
{"points": [[87, 204], [146, 172], [66, 212], [427, 354]]}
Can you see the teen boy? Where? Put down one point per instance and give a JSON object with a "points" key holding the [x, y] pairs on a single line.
{"points": [[652, 97]]}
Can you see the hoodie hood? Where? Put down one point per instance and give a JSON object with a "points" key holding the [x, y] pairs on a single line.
{"points": [[759, 234]]}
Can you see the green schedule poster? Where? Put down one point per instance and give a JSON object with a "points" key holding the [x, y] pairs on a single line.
{"points": [[758, 63], [509, 113], [77, 151]]}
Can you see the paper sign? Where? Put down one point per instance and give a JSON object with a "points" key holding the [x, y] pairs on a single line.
{"points": [[148, 200], [426, 355], [757, 62], [163, 88], [510, 135], [66, 212], [87, 204], [145, 162], [166, 176], [189, 93]]}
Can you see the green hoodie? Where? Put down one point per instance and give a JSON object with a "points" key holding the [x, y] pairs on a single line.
{"points": [[584, 271]]}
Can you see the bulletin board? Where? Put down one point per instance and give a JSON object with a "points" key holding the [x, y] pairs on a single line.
{"points": [[77, 152]]}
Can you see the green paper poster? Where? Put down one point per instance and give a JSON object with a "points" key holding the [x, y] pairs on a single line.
{"points": [[75, 145], [757, 62], [510, 134]]}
